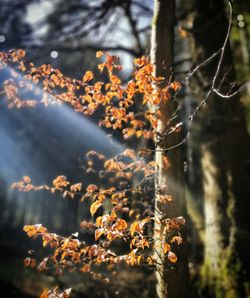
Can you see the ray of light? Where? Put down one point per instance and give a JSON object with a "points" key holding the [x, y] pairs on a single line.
{"points": [[44, 142]]}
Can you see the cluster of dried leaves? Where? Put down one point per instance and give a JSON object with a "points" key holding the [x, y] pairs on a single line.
{"points": [[127, 213], [121, 221], [87, 95]]}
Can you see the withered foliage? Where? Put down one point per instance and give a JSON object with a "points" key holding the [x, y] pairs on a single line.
{"points": [[128, 215]]}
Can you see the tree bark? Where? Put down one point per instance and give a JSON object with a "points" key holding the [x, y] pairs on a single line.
{"points": [[172, 281]]}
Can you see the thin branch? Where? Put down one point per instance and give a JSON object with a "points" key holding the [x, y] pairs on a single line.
{"points": [[205, 62], [212, 89], [226, 96], [133, 26]]}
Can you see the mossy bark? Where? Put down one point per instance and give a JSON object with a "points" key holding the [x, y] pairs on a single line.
{"points": [[221, 269]]}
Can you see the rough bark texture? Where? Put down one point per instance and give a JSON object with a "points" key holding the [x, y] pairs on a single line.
{"points": [[225, 163], [172, 281]]}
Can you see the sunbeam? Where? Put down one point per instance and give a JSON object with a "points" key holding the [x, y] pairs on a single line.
{"points": [[44, 142]]}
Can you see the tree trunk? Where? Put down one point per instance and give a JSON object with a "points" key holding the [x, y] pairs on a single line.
{"points": [[225, 154], [172, 281]]}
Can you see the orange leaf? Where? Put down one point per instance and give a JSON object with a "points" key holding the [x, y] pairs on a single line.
{"points": [[94, 207], [76, 187], [99, 54], [121, 224], [91, 188], [166, 247], [172, 257], [129, 153], [66, 293], [115, 80], [28, 187], [21, 53], [175, 86], [176, 239], [88, 76], [101, 66], [45, 294], [165, 199], [27, 262], [101, 197], [128, 132], [32, 230], [135, 227], [60, 181], [99, 222], [26, 179], [183, 33], [85, 268], [166, 162], [98, 233]]}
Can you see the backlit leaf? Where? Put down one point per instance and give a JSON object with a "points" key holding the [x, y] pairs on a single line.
{"points": [[99, 54], [26, 179], [172, 257], [88, 76], [175, 86], [94, 206], [121, 224], [176, 239], [91, 188], [166, 247], [85, 268], [98, 233]]}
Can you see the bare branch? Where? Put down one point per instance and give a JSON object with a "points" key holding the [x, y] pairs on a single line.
{"points": [[226, 96]]}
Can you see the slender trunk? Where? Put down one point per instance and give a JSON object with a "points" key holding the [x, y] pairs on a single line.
{"points": [[171, 282]]}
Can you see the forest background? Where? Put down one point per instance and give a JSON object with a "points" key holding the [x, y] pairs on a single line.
{"points": [[216, 155]]}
